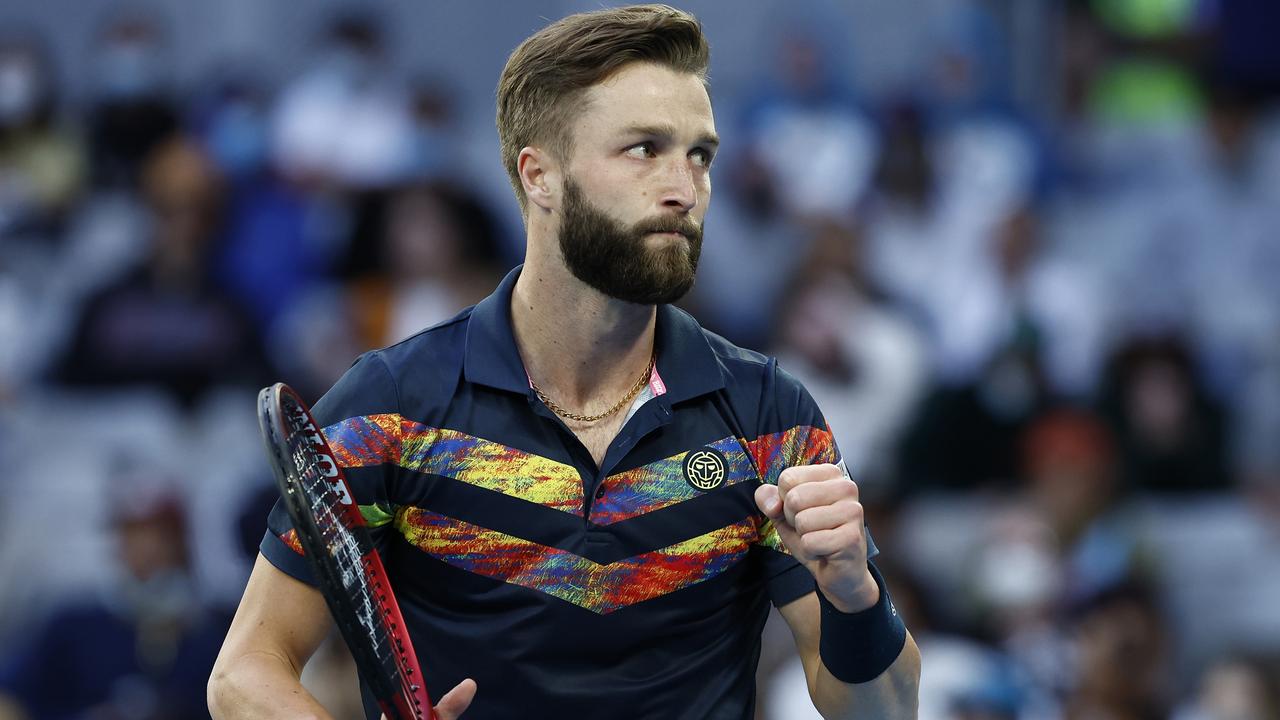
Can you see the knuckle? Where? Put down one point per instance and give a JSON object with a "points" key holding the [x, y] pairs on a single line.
{"points": [[852, 509], [804, 521], [850, 533], [820, 543], [842, 475], [798, 498]]}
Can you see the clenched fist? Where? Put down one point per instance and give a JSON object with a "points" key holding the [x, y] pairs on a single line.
{"points": [[819, 519]]}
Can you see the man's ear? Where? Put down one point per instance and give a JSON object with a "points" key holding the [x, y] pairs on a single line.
{"points": [[539, 175]]}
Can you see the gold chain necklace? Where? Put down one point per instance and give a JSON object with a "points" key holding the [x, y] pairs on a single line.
{"points": [[644, 380]]}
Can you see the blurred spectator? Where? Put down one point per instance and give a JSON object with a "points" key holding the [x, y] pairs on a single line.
{"points": [[1065, 539], [132, 111], [807, 131], [346, 120], [1170, 431], [435, 115], [1235, 309], [903, 228], [952, 238], [1013, 328], [440, 254], [1121, 658], [1016, 579], [280, 238], [316, 339], [166, 324], [1235, 688], [1014, 285], [861, 360], [42, 165], [231, 120], [954, 233], [756, 245], [1070, 466], [987, 159], [808, 152], [144, 648]]}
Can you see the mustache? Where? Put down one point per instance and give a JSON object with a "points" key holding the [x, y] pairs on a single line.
{"points": [[670, 224]]}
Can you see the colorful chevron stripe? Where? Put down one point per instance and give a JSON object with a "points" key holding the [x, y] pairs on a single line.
{"points": [[377, 439], [366, 440], [661, 483], [801, 445], [388, 438], [493, 466], [599, 588]]}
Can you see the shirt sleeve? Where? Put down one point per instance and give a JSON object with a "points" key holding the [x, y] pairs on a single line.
{"points": [[793, 432], [361, 421]]}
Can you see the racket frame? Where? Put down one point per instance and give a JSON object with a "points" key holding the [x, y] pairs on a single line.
{"points": [[291, 436]]}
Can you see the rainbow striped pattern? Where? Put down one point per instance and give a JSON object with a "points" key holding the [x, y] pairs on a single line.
{"points": [[600, 588]]}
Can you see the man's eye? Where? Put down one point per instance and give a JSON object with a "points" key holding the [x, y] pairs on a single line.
{"points": [[701, 157], [643, 150]]}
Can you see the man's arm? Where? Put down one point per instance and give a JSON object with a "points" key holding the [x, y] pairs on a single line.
{"points": [[279, 624], [894, 694], [818, 517]]}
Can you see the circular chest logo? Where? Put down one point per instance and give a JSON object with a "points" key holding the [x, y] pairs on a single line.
{"points": [[705, 469]]}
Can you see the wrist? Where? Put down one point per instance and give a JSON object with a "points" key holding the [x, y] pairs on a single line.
{"points": [[854, 598], [858, 647]]}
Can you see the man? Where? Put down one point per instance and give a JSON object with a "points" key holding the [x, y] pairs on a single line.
{"points": [[584, 500]]}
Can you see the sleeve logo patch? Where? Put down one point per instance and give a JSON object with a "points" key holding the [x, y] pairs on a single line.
{"points": [[705, 469]]}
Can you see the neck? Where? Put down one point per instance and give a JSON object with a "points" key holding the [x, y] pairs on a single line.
{"points": [[581, 347]]}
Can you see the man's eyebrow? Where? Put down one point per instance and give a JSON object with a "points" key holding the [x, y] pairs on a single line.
{"points": [[667, 132]]}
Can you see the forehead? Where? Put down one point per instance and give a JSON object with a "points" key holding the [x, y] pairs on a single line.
{"points": [[645, 94]]}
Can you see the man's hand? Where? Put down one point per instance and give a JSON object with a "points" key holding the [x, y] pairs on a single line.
{"points": [[816, 511], [455, 701]]}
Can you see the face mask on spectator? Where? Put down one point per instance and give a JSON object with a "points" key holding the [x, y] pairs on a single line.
{"points": [[237, 139], [128, 70], [19, 91]]}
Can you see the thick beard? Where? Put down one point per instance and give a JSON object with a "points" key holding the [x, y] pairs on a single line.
{"points": [[617, 261]]}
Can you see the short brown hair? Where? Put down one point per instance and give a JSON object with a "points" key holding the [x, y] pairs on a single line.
{"points": [[543, 83]]}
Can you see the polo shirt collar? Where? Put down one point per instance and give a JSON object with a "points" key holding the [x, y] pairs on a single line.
{"points": [[685, 360], [688, 366], [491, 355]]}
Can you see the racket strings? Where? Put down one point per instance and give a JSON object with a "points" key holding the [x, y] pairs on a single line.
{"points": [[345, 549], [367, 589]]}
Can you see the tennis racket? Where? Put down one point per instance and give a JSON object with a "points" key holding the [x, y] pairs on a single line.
{"points": [[340, 551]]}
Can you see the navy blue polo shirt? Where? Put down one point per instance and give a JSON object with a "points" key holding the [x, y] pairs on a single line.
{"points": [[635, 589]]}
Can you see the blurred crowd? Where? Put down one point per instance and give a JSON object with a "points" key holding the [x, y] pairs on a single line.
{"points": [[1045, 334]]}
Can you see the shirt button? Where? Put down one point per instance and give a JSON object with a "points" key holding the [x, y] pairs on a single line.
{"points": [[599, 492]]}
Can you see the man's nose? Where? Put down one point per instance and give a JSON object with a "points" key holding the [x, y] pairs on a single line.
{"points": [[679, 190]]}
